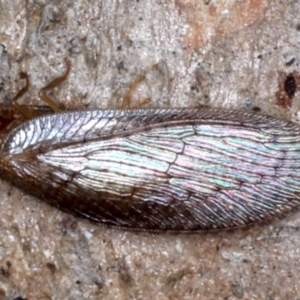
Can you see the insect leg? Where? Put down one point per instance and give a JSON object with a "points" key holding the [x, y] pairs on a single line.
{"points": [[57, 81]]}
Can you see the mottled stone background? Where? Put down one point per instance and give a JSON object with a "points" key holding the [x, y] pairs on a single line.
{"points": [[150, 53]]}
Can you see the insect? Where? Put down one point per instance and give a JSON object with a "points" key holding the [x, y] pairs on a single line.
{"points": [[180, 170]]}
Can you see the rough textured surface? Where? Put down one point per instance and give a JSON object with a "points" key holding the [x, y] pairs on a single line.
{"points": [[152, 53]]}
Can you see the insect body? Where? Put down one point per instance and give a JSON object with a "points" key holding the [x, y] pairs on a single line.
{"points": [[158, 169]]}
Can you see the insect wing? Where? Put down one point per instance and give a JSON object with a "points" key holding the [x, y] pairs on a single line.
{"points": [[175, 169]]}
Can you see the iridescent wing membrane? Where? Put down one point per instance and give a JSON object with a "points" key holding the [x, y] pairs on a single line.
{"points": [[159, 169]]}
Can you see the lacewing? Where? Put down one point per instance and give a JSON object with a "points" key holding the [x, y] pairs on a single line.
{"points": [[180, 170]]}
